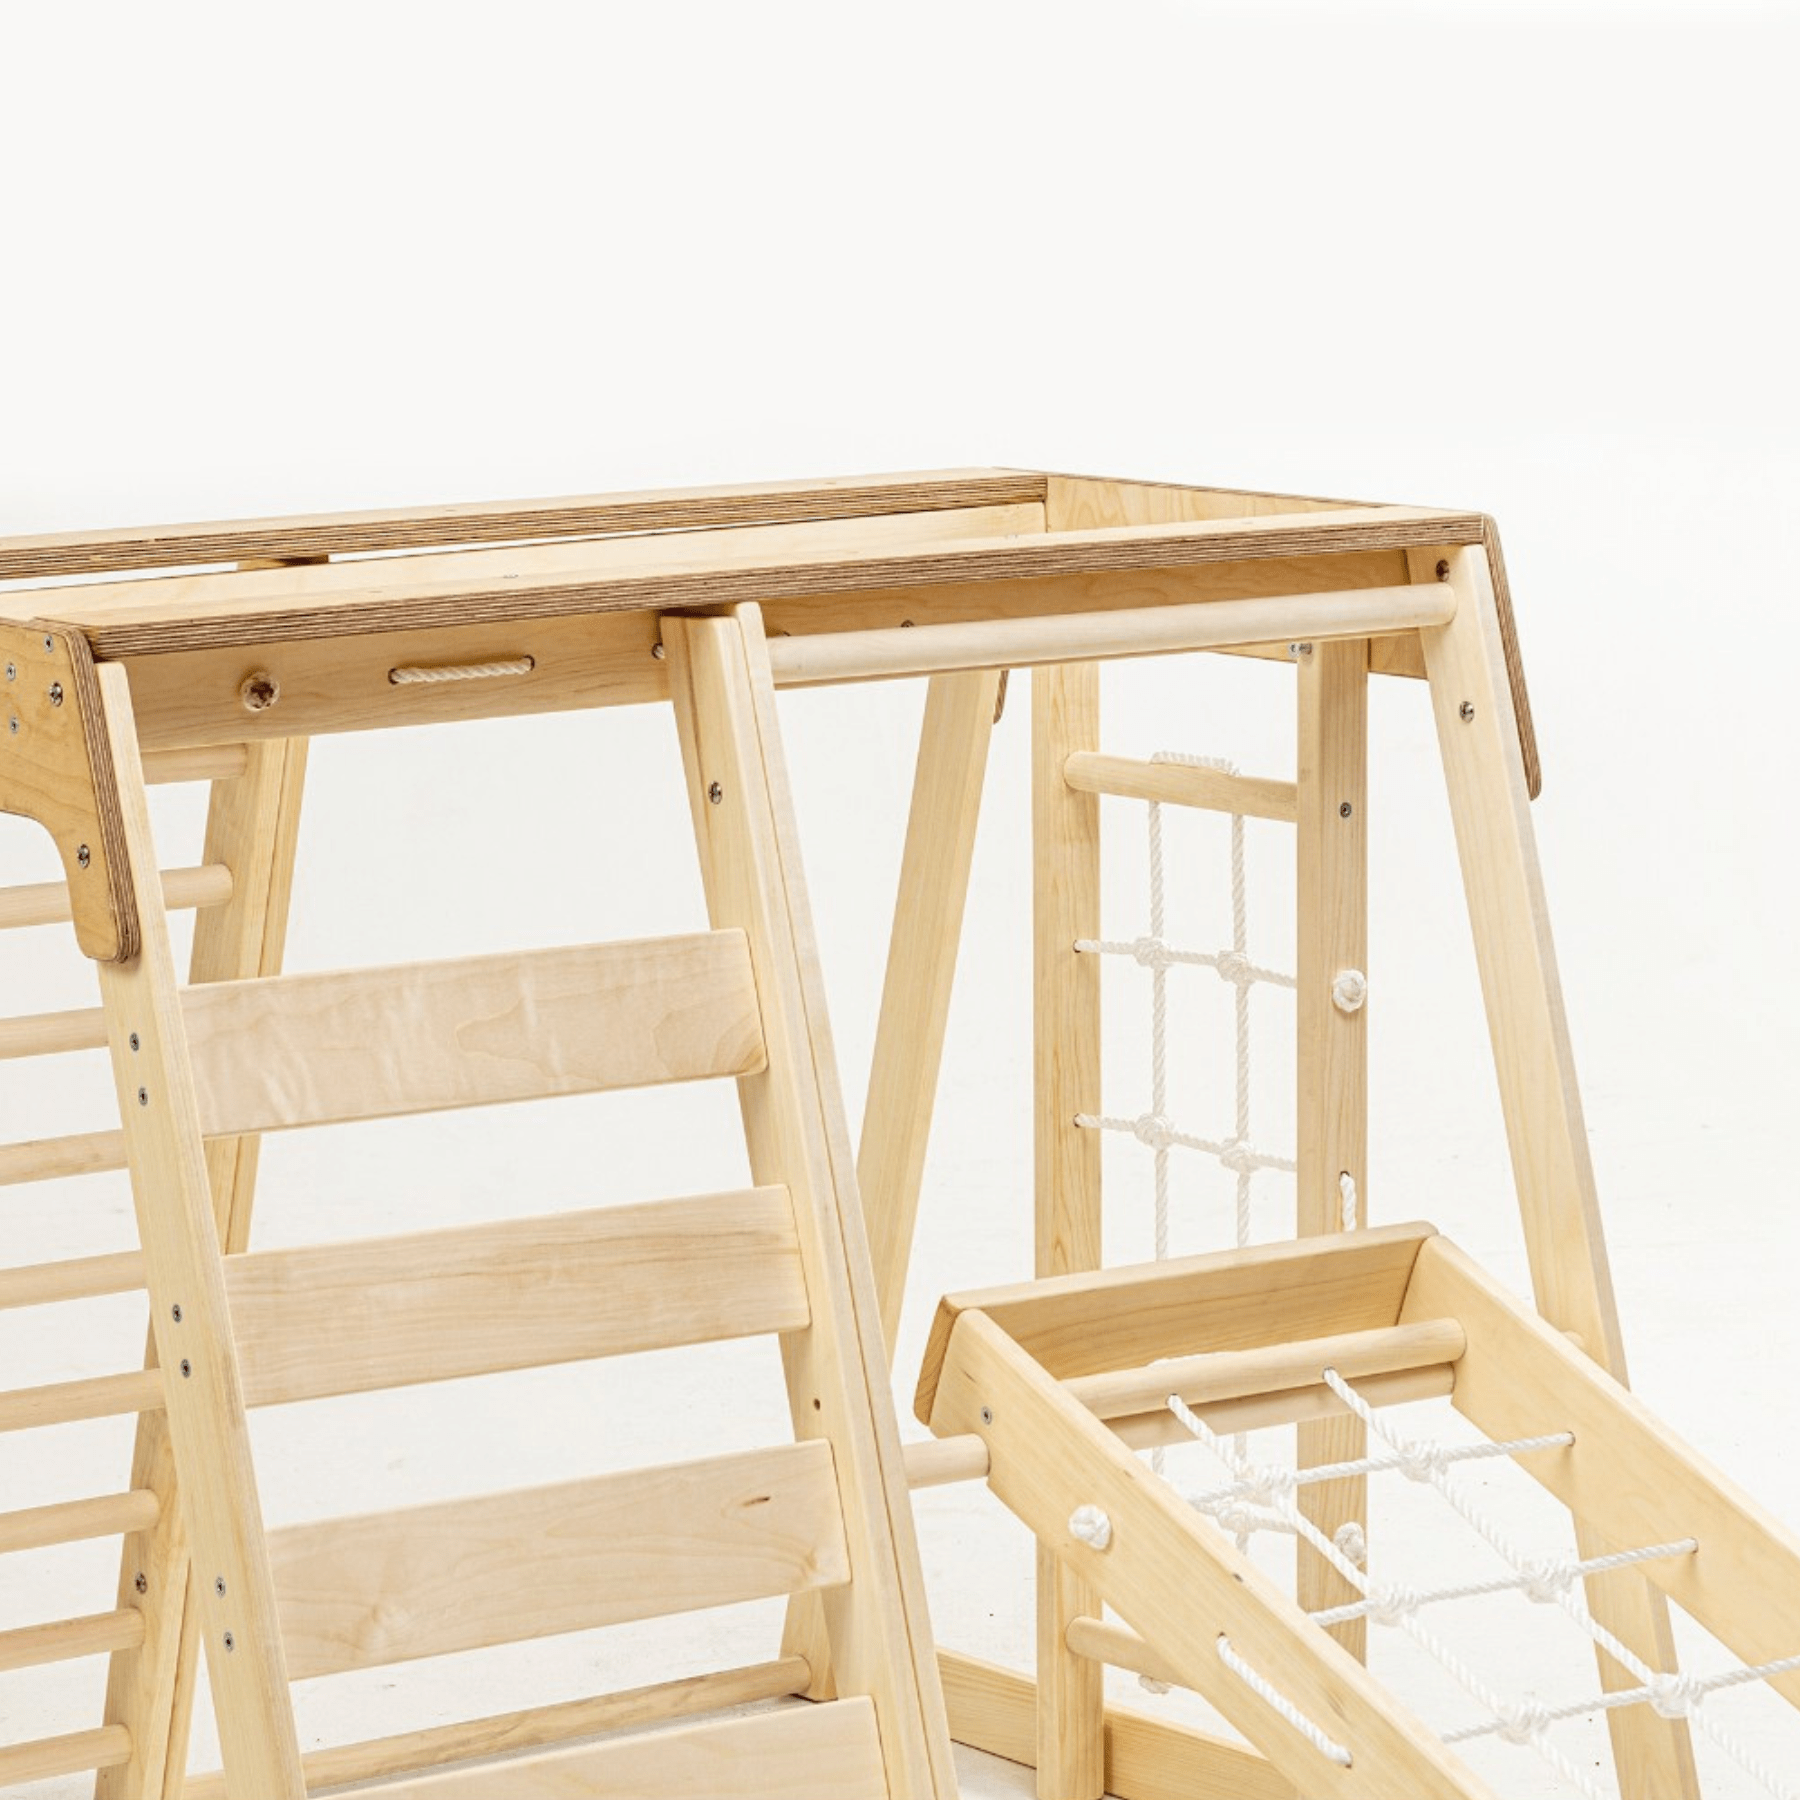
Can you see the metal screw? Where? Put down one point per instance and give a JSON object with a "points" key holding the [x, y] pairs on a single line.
{"points": [[49, 645], [658, 652], [12, 725], [83, 856], [219, 1586], [12, 671], [56, 693], [143, 1096], [141, 1582], [906, 625], [133, 1041], [175, 1314], [1466, 711], [230, 1643], [187, 1370], [1344, 810], [1299, 650], [715, 793], [1443, 570], [987, 1415]]}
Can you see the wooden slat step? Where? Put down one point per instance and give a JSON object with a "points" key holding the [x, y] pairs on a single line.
{"points": [[435, 1306], [55, 1159], [220, 762], [1181, 784], [47, 902], [44, 1758], [100, 1634], [375, 1043], [71, 1521], [508, 1733], [53, 1034], [362, 1592], [79, 1278], [798, 1752], [97, 1397]]}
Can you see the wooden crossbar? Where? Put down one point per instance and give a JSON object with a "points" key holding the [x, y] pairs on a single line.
{"points": [[48, 902], [433, 1306], [77, 1278], [94, 1397], [360, 1592], [421, 1037], [70, 1521], [53, 1034], [45, 1758], [1181, 784], [99, 1634], [54, 1159]]}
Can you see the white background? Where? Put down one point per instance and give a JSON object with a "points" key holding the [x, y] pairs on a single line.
{"points": [[1537, 260]]}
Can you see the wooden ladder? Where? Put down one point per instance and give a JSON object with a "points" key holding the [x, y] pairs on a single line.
{"points": [[823, 1518]]}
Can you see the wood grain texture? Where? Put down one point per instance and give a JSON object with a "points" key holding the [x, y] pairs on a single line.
{"points": [[78, 1278], [400, 528], [362, 1592], [315, 1049], [1180, 784], [72, 1521], [75, 1754], [519, 1293], [68, 1639], [92, 1397]]}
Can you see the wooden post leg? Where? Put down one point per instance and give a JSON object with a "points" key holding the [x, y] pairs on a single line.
{"points": [[1333, 1110], [1065, 717], [915, 1000], [209, 1443], [1571, 1277]]}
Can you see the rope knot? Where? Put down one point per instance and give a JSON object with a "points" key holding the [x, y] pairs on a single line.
{"points": [[1422, 1462], [1240, 1157], [1674, 1696], [1352, 1543], [1151, 953], [1545, 1578], [1349, 990], [1522, 1721], [1154, 1130], [1267, 1484], [1388, 1605], [1233, 966]]}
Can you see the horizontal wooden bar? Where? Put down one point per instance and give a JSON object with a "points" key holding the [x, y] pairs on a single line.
{"points": [[1181, 784], [67, 1402], [72, 1521], [1119, 1647], [350, 533], [219, 762], [435, 1306], [825, 1752], [53, 1034], [1087, 637], [54, 1159], [70, 1639], [43, 1760], [295, 1050], [941, 1462], [1273, 1368], [995, 1710], [507, 1733], [361, 1592], [47, 902], [80, 1278]]}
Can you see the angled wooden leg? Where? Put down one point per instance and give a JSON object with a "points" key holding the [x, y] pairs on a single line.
{"points": [[1332, 1113], [1571, 1277], [875, 1629], [915, 1000], [1065, 717], [203, 1397]]}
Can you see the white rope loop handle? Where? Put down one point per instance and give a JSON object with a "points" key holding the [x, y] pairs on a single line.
{"points": [[421, 674]]}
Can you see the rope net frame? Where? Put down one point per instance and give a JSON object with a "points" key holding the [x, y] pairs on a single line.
{"points": [[1258, 1498]]}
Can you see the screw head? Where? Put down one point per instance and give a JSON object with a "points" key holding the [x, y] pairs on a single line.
{"points": [[187, 1370], [230, 1643], [1466, 711], [219, 1586], [143, 1096], [12, 671], [715, 793], [1443, 569], [83, 857], [1296, 651], [133, 1041], [987, 1415], [12, 725], [56, 695], [141, 1582], [175, 1314], [49, 644], [658, 652], [1344, 810]]}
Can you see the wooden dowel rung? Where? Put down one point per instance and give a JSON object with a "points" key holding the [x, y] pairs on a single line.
{"points": [[69, 1639], [1119, 1647], [219, 762], [888, 653], [1181, 784], [72, 1521], [1274, 1368], [538, 1727], [939, 1462], [107, 1748], [50, 1159], [66, 1402], [47, 902], [53, 1034], [82, 1278]]}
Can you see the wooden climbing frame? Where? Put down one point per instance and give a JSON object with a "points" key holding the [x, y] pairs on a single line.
{"points": [[711, 601]]}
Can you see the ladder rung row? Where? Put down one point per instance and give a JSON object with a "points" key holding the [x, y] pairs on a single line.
{"points": [[71, 1521], [52, 1159], [363, 1592], [46, 1758], [80, 1278], [519, 1293], [68, 1402], [219, 762], [47, 902], [53, 1034], [537, 1727], [1182, 784], [69, 1639]]}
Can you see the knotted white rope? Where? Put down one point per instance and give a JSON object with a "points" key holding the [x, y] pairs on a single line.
{"points": [[1327, 1747]]}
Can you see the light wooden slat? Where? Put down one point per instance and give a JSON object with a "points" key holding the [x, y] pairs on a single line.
{"points": [[221, 762], [71, 1521], [1081, 637], [1180, 784], [507, 1733], [435, 1306], [53, 1034], [798, 1752], [1277, 1368], [75, 1754], [995, 1710], [80, 1278], [314, 1049], [1119, 1647], [48, 903], [66, 1402], [941, 1462], [70, 1639], [53, 1159], [357, 1593]]}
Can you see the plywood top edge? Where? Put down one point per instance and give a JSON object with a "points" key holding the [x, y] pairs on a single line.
{"points": [[399, 528], [1212, 487], [242, 610]]}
